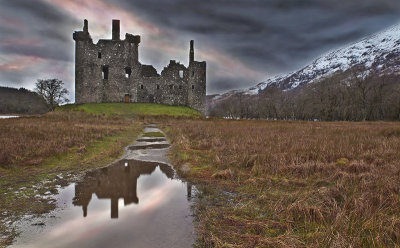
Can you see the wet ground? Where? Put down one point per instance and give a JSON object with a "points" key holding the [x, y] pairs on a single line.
{"points": [[136, 202]]}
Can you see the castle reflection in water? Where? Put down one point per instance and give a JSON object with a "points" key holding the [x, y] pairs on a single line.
{"points": [[118, 181]]}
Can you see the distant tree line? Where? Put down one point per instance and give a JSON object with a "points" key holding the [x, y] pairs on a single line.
{"points": [[21, 101], [353, 95], [47, 95]]}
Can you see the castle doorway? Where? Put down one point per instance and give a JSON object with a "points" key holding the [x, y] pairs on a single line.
{"points": [[127, 98], [151, 99]]}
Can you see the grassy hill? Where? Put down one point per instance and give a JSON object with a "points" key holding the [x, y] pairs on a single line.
{"points": [[132, 109]]}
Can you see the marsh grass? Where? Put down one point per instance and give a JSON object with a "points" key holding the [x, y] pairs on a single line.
{"points": [[293, 184], [30, 140]]}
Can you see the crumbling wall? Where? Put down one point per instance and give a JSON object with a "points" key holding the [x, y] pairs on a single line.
{"points": [[110, 71]]}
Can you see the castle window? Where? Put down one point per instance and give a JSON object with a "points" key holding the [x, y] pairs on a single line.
{"points": [[158, 86], [99, 55], [128, 72], [192, 87], [171, 86], [105, 72], [141, 86], [192, 73], [180, 87], [181, 73]]}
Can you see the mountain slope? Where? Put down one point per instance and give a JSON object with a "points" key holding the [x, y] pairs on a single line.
{"points": [[379, 53]]}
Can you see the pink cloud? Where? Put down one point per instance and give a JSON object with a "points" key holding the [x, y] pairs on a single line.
{"points": [[21, 42], [19, 63], [102, 12]]}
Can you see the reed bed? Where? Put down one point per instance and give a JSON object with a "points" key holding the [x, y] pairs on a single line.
{"points": [[292, 184], [30, 140]]}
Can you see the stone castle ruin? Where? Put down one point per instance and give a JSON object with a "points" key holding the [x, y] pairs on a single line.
{"points": [[110, 71]]}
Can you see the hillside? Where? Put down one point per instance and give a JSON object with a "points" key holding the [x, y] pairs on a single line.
{"points": [[21, 101], [378, 54]]}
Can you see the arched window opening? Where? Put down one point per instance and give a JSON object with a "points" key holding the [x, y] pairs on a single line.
{"points": [[104, 72], [128, 72]]}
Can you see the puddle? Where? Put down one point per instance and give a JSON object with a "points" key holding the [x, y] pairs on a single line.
{"points": [[147, 145], [135, 202]]}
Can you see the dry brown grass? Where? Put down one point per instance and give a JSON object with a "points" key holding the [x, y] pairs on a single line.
{"points": [[30, 140], [296, 184]]}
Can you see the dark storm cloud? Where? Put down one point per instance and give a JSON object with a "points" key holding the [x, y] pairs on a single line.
{"points": [[225, 84], [263, 37], [277, 35], [35, 28], [35, 42]]}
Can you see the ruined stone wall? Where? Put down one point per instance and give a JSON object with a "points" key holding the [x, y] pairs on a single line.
{"points": [[118, 61], [110, 71], [170, 88], [197, 86]]}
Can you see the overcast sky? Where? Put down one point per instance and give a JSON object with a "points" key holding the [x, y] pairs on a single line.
{"points": [[244, 42]]}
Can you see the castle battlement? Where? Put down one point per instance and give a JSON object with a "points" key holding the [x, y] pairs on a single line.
{"points": [[110, 71]]}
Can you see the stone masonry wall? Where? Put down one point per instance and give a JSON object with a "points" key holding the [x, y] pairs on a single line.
{"points": [[110, 71]]}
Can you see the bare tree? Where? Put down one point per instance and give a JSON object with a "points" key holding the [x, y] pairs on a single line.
{"points": [[53, 91]]}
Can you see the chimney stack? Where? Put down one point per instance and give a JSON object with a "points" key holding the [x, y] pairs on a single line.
{"points": [[85, 26], [191, 53], [115, 30]]}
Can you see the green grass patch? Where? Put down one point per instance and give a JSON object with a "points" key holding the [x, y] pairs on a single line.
{"points": [[133, 109], [154, 134]]}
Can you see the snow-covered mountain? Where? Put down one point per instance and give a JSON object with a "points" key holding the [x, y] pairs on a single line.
{"points": [[378, 53]]}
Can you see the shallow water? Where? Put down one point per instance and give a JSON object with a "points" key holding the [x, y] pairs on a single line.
{"points": [[8, 116], [135, 202]]}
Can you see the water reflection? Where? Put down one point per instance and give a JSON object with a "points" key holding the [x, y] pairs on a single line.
{"points": [[118, 181], [156, 210], [189, 191]]}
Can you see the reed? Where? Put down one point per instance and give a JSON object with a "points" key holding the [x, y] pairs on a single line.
{"points": [[292, 184], [30, 140]]}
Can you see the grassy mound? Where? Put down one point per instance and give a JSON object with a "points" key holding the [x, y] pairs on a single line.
{"points": [[133, 109]]}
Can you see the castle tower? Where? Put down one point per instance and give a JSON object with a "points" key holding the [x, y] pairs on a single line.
{"points": [[196, 82], [82, 43]]}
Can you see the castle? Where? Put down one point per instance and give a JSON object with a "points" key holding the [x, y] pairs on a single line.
{"points": [[110, 71]]}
